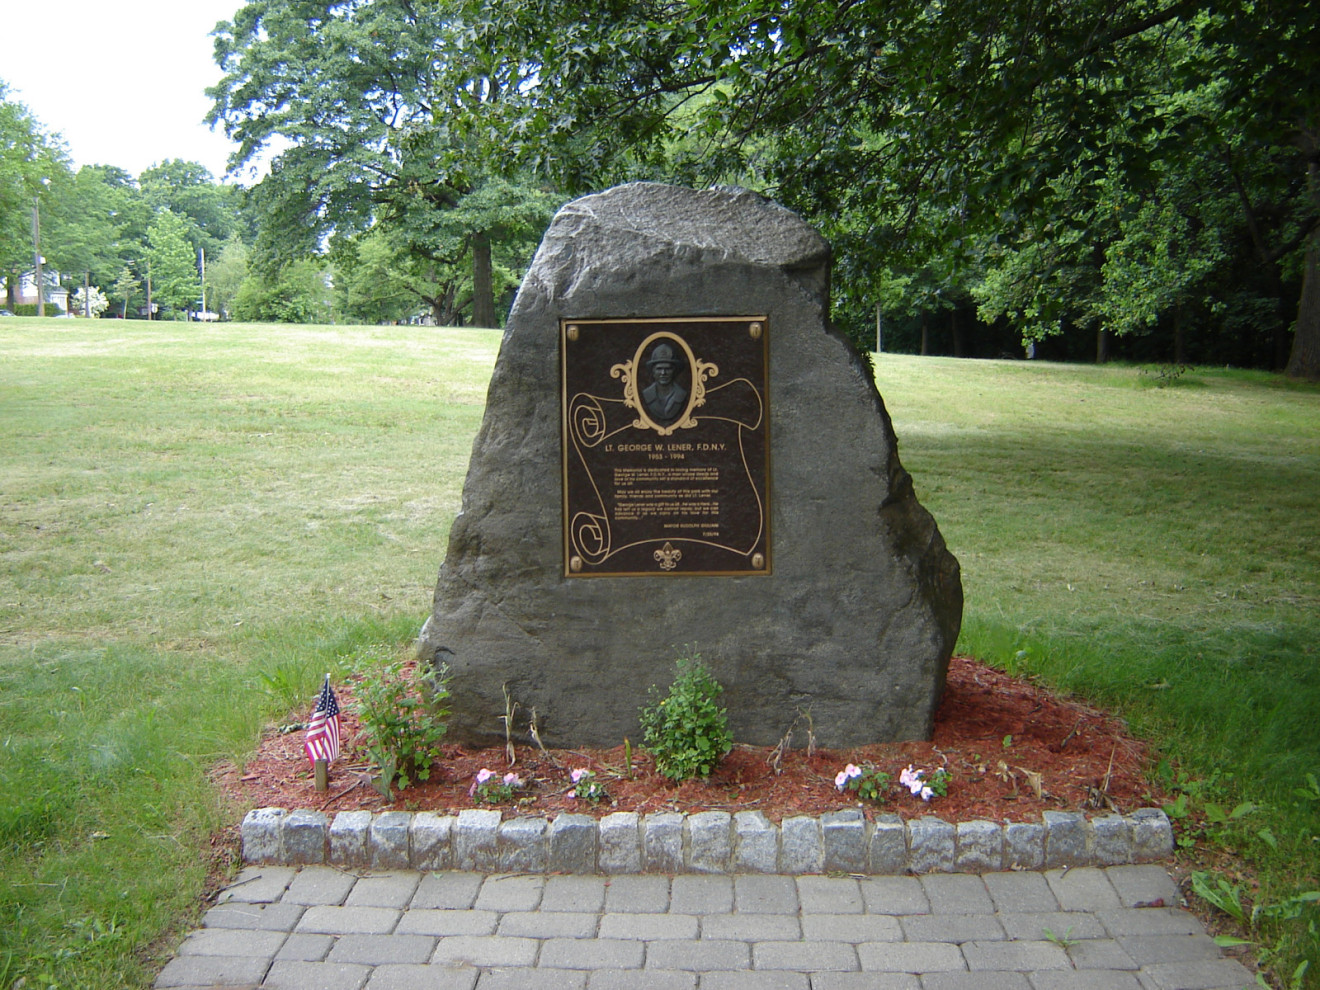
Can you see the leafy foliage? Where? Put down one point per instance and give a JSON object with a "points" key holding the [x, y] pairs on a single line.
{"points": [[403, 720], [686, 731], [172, 265], [360, 100], [954, 138]]}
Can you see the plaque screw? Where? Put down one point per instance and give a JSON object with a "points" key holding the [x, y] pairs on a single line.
{"points": [[575, 564], [755, 330], [758, 561], [572, 331]]}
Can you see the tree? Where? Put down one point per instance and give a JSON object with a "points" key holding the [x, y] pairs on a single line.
{"points": [[86, 225], [356, 97], [125, 287], [189, 191], [175, 282], [946, 122], [298, 293], [30, 160], [90, 301], [225, 275]]}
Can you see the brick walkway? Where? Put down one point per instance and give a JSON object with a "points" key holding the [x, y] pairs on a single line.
{"points": [[321, 928]]}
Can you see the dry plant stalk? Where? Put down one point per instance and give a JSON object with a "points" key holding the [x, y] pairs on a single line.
{"points": [[510, 709], [776, 756]]}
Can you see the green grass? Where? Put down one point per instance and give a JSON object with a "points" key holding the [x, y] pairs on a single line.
{"points": [[1156, 550], [197, 521]]}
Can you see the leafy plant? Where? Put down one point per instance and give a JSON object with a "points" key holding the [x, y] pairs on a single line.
{"points": [[687, 731], [488, 787], [403, 720], [1063, 941], [290, 682], [869, 782], [1311, 792], [1164, 375], [587, 787], [926, 784], [1216, 890]]}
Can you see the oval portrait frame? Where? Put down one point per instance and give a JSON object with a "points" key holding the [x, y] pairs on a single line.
{"points": [[693, 392]]}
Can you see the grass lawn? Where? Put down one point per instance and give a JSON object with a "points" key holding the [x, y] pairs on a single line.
{"points": [[198, 520]]}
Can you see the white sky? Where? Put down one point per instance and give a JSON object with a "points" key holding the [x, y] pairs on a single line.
{"points": [[121, 81]]}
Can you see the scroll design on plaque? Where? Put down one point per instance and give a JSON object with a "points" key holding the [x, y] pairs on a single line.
{"points": [[589, 532]]}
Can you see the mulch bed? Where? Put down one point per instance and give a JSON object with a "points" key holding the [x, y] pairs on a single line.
{"points": [[1014, 750]]}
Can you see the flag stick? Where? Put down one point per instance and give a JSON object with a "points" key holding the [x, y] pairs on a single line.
{"points": [[322, 767]]}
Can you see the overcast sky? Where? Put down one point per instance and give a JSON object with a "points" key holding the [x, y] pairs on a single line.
{"points": [[121, 81]]}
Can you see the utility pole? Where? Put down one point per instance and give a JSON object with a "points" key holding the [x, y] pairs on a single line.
{"points": [[36, 255]]}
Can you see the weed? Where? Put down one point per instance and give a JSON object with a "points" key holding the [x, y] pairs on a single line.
{"points": [[1164, 375], [290, 682], [686, 731], [1216, 890], [1063, 941]]}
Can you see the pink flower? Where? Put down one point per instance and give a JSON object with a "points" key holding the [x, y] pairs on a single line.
{"points": [[913, 780], [484, 775], [577, 775], [926, 793], [847, 774], [512, 780]]}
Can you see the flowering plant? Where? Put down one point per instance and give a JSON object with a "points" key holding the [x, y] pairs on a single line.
{"points": [[926, 784], [586, 786], [489, 788], [869, 783]]}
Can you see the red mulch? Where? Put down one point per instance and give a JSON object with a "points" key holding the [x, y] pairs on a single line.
{"points": [[1003, 738]]}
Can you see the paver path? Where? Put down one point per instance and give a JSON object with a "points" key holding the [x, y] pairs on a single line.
{"points": [[321, 928]]}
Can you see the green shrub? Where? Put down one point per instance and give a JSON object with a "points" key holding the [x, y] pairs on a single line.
{"points": [[30, 309], [403, 719], [687, 731]]}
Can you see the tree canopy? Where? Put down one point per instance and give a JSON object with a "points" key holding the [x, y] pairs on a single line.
{"points": [[355, 99], [991, 137]]}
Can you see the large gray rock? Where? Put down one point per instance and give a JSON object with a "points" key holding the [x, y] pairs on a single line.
{"points": [[858, 618]]}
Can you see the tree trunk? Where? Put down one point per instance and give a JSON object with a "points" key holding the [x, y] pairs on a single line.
{"points": [[1179, 334], [955, 328], [1101, 346], [483, 287], [924, 342], [11, 291], [1304, 361]]}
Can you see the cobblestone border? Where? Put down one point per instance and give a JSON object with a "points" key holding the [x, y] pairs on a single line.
{"points": [[705, 842]]}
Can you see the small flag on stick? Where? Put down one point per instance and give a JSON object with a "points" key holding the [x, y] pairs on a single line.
{"points": [[323, 730]]}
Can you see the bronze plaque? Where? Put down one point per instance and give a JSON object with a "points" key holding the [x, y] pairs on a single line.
{"points": [[666, 455]]}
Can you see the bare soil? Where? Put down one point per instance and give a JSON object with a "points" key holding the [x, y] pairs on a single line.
{"points": [[1013, 748]]}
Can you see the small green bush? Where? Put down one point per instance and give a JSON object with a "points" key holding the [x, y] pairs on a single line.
{"points": [[30, 309], [403, 720], [687, 731]]}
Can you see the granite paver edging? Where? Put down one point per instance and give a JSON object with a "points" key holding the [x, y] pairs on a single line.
{"points": [[715, 842]]}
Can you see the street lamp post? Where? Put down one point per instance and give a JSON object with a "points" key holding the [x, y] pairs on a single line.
{"points": [[36, 254]]}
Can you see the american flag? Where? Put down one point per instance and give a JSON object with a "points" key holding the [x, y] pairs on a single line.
{"points": [[323, 730]]}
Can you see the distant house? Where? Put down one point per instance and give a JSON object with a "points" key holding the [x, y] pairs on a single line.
{"points": [[56, 294]]}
